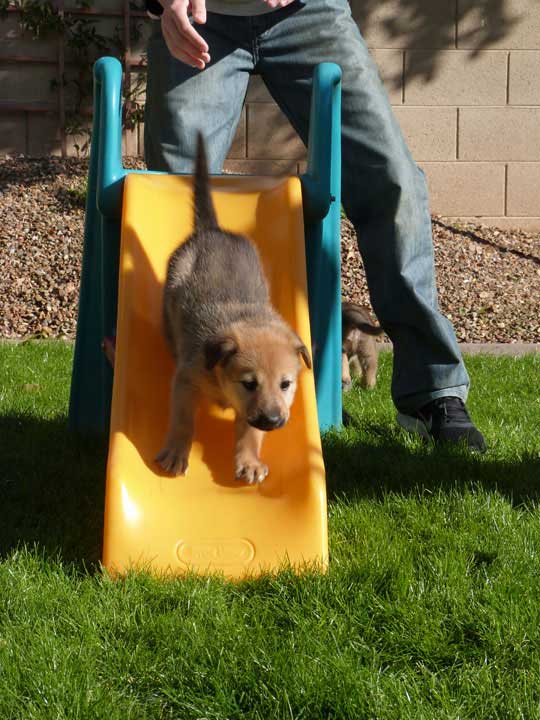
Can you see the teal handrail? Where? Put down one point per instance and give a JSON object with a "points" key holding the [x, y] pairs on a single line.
{"points": [[111, 173], [322, 215]]}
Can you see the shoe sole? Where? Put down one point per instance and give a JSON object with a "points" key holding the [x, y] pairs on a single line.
{"points": [[413, 425], [417, 427]]}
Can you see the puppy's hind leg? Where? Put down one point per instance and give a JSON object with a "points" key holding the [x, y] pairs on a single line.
{"points": [[345, 373], [369, 371], [355, 366], [174, 456], [248, 466]]}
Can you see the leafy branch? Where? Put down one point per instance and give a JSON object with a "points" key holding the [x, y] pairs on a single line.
{"points": [[83, 44]]}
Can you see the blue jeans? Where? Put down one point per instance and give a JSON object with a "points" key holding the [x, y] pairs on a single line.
{"points": [[384, 193]]}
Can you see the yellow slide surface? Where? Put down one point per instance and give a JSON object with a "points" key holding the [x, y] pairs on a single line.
{"points": [[207, 521]]}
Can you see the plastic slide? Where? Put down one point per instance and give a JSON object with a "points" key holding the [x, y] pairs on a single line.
{"points": [[207, 520]]}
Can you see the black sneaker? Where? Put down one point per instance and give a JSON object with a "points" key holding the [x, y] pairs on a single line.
{"points": [[444, 420]]}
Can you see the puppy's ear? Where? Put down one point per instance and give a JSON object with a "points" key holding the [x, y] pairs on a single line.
{"points": [[302, 350], [219, 350]]}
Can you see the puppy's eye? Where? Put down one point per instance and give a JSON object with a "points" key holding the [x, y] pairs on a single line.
{"points": [[250, 385], [285, 384]]}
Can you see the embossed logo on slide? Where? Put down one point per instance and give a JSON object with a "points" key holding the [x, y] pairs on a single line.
{"points": [[217, 551]]}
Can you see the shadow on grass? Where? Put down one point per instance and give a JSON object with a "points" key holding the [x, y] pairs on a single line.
{"points": [[383, 461], [52, 482], [52, 487]]}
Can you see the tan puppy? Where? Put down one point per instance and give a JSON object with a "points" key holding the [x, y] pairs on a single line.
{"points": [[227, 340], [359, 350]]}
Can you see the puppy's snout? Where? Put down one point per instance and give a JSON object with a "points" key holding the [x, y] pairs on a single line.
{"points": [[268, 421]]}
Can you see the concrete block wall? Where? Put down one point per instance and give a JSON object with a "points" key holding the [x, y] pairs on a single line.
{"points": [[463, 77], [29, 81]]}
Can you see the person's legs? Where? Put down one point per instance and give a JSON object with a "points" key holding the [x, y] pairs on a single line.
{"points": [[181, 100], [384, 193]]}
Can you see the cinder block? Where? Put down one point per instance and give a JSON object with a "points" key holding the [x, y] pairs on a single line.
{"points": [[457, 78], [430, 131], [460, 189], [13, 134], [107, 5], [140, 133], [524, 77], [237, 150], [270, 135], [509, 24], [260, 167], [390, 64], [27, 83], [523, 189], [78, 145], [43, 135], [105, 27], [138, 86], [257, 91], [130, 145], [394, 24], [15, 42], [71, 93], [508, 133]]}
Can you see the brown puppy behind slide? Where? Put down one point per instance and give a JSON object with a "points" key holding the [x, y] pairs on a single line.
{"points": [[227, 341], [359, 350]]}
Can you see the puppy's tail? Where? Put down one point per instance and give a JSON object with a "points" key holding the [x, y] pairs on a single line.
{"points": [[355, 316], [205, 215]]}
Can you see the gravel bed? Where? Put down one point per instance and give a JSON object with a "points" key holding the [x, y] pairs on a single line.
{"points": [[488, 279]]}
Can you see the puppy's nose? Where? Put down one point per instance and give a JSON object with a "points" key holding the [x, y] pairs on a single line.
{"points": [[267, 421]]}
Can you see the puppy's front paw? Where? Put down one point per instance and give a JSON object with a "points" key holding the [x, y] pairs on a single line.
{"points": [[174, 460], [250, 470], [346, 385]]}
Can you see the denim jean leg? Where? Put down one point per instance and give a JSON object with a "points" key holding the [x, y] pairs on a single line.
{"points": [[181, 100], [384, 193]]}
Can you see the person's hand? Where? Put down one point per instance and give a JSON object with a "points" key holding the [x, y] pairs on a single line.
{"points": [[183, 41]]}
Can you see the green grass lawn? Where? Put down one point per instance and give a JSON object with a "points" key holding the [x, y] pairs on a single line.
{"points": [[430, 608]]}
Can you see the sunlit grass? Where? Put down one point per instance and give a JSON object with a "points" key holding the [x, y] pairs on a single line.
{"points": [[429, 609]]}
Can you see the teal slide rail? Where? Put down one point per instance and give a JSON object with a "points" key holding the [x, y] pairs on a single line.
{"points": [[91, 382], [321, 187]]}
